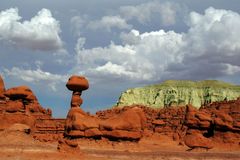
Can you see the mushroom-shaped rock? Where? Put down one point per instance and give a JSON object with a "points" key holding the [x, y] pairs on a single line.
{"points": [[77, 83], [21, 92]]}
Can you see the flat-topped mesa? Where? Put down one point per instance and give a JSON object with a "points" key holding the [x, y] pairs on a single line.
{"points": [[180, 93], [77, 84]]}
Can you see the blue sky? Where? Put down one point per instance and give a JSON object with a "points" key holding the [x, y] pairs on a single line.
{"points": [[116, 45]]}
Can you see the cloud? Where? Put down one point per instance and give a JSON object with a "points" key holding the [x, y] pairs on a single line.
{"points": [[139, 62], [208, 50], [212, 43], [77, 23], [39, 33], [109, 22], [145, 12], [36, 77]]}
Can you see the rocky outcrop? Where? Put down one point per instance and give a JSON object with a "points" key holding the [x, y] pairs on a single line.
{"points": [[22, 99], [179, 93], [194, 139], [19, 106], [48, 130], [168, 121], [68, 146], [127, 125], [215, 122]]}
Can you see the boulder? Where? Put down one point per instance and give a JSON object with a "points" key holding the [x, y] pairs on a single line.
{"points": [[77, 83], [197, 140], [68, 146], [80, 124], [132, 119], [21, 92]]}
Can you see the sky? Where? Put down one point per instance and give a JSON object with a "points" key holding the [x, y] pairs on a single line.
{"points": [[117, 45]]}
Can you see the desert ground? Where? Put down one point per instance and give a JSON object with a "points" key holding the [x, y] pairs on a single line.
{"points": [[20, 146]]}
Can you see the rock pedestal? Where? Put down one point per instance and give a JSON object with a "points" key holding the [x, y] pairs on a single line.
{"points": [[75, 116], [77, 84], [128, 125]]}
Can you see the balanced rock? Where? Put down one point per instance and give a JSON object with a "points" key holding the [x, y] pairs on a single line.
{"points": [[77, 83]]}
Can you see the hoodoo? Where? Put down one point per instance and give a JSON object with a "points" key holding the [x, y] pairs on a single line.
{"points": [[77, 84], [127, 125]]}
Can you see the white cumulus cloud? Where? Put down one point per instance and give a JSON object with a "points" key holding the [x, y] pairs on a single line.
{"points": [[109, 22], [208, 49], [36, 76], [141, 61], [144, 12], [41, 32]]}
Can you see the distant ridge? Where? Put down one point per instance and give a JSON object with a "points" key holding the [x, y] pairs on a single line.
{"points": [[180, 92]]}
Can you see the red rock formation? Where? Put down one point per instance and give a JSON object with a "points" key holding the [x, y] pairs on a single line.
{"points": [[2, 88], [68, 146], [217, 122], [48, 130], [78, 122], [20, 105], [194, 139], [127, 125], [77, 84], [210, 126]]}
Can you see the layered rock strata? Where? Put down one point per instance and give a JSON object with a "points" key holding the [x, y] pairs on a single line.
{"points": [[19, 105], [180, 93]]}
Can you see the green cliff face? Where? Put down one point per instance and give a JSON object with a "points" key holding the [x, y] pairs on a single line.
{"points": [[180, 92]]}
